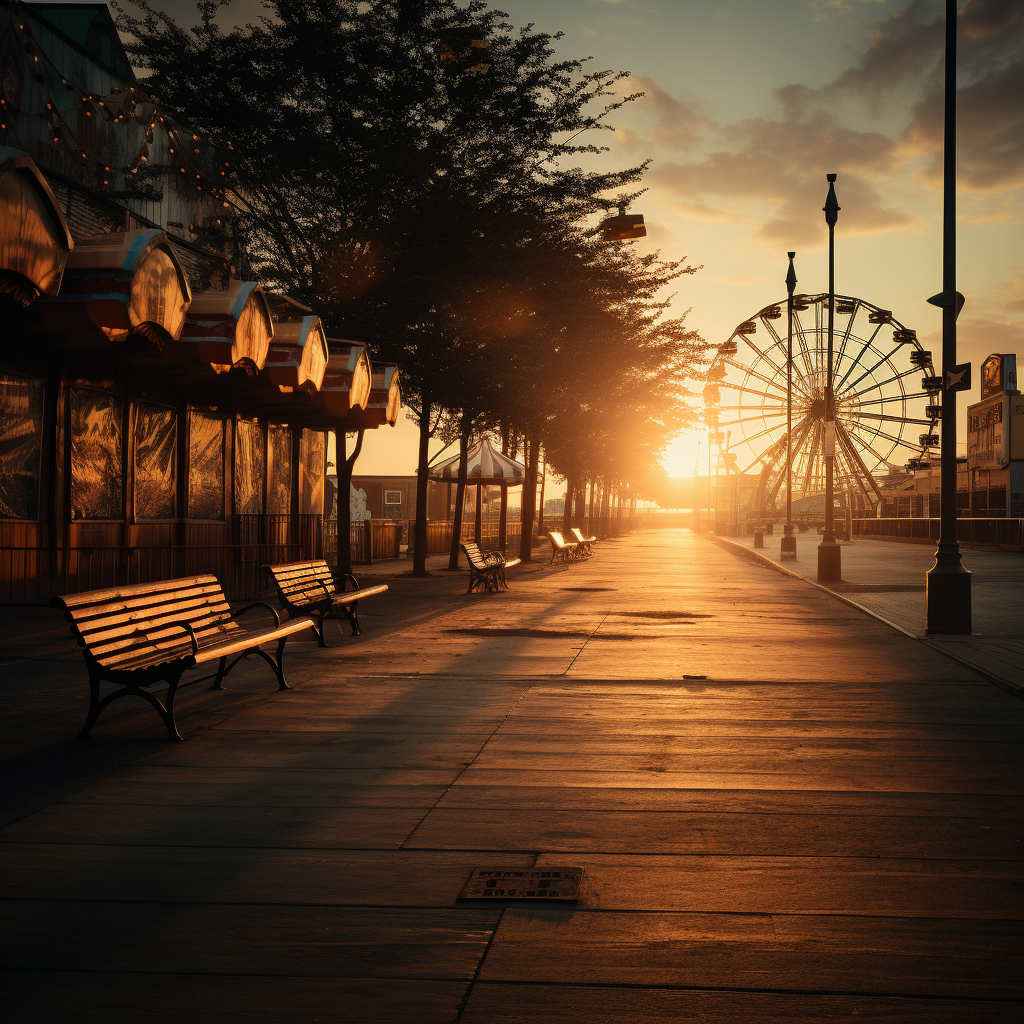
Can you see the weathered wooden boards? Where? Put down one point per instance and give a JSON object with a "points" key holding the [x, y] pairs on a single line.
{"points": [[826, 828]]}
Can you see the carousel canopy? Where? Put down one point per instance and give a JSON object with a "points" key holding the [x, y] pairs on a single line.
{"points": [[229, 327], [483, 466], [34, 237]]}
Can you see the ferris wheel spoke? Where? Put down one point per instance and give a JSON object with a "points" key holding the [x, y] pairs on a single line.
{"points": [[750, 419], [764, 355], [753, 373], [764, 455], [881, 384], [891, 419], [860, 355], [848, 332], [800, 334], [892, 398], [747, 391], [861, 472], [887, 358], [881, 433], [812, 456]]}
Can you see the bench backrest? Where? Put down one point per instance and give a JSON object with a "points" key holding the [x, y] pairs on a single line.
{"points": [[578, 535], [301, 583], [124, 623], [557, 539], [474, 555]]}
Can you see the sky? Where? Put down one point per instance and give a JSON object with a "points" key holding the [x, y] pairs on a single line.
{"points": [[749, 103]]}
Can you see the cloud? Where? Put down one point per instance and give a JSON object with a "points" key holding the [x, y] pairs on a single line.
{"points": [[822, 8], [780, 166], [769, 172]]}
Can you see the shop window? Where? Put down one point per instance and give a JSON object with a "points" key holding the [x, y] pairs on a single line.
{"points": [[21, 430], [250, 464], [312, 451], [96, 491], [279, 471], [205, 466], [156, 461]]}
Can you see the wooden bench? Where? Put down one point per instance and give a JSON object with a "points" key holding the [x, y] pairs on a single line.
{"points": [[307, 588], [486, 569], [586, 543], [562, 550], [136, 636]]}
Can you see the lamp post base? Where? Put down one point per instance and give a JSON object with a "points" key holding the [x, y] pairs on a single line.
{"points": [[759, 538], [830, 562], [948, 586], [787, 550]]}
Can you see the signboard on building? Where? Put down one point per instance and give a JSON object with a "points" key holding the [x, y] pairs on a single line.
{"points": [[998, 374], [988, 435]]}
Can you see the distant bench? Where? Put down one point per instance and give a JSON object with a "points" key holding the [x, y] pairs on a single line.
{"points": [[488, 570], [307, 588], [586, 543], [562, 550], [140, 635]]}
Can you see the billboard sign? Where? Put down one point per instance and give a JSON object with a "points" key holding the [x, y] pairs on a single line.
{"points": [[988, 435], [998, 374]]}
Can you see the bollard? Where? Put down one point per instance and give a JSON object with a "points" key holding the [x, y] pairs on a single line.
{"points": [[759, 538], [787, 550]]}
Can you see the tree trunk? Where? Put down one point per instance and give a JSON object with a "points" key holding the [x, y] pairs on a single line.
{"points": [[460, 495], [529, 494], [477, 531], [503, 520], [346, 464], [570, 490], [540, 513], [419, 557], [605, 499]]}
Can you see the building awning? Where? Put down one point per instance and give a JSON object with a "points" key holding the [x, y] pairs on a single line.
{"points": [[483, 466], [297, 358], [230, 327], [35, 240], [384, 403], [121, 285], [348, 377]]}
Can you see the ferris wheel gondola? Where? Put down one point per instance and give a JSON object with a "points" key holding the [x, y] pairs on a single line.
{"points": [[884, 416]]}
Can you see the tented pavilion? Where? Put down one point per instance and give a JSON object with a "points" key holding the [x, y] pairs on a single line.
{"points": [[484, 466]]}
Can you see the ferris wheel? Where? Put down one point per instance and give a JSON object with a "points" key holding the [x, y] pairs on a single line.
{"points": [[884, 417]]}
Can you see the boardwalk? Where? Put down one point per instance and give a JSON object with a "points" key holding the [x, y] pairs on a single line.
{"points": [[786, 811]]}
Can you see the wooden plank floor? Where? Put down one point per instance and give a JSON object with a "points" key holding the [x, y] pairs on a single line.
{"points": [[785, 811]]}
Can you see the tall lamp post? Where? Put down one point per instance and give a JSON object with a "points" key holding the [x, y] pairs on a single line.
{"points": [[948, 582], [788, 547], [830, 564]]}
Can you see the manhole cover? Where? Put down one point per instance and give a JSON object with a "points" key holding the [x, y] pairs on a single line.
{"points": [[523, 884]]}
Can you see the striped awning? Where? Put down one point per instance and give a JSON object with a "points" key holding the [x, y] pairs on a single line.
{"points": [[484, 466], [34, 237], [120, 285], [348, 377], [229, 327], [297, 358]]}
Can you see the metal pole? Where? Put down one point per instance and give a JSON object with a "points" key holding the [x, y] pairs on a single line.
{"points": [[948, 583], [788, 546], [830, 569]]}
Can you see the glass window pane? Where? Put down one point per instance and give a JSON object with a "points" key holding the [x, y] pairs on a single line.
{"points": [[205, 466], [156, 449], [311, 484], [279, 480], [96, 455], [21, 431], [250, 461]]}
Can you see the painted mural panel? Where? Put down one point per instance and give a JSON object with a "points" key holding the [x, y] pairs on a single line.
{"points": [[96, 447], [21, 428], [156, 449]]}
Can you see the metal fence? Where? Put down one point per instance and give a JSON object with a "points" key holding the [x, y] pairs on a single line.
{"points": [[1007, 534], [34, 576]]}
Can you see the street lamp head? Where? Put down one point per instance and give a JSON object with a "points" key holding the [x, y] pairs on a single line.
{"points": [[791, 275], [791, 255], [831, 207]]}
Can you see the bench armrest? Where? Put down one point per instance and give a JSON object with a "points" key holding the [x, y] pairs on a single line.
{"points": [[187, 626], [262, 604], [349, 576]]}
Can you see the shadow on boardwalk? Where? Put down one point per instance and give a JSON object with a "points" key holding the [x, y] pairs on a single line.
{"points": [[785, 810]]}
